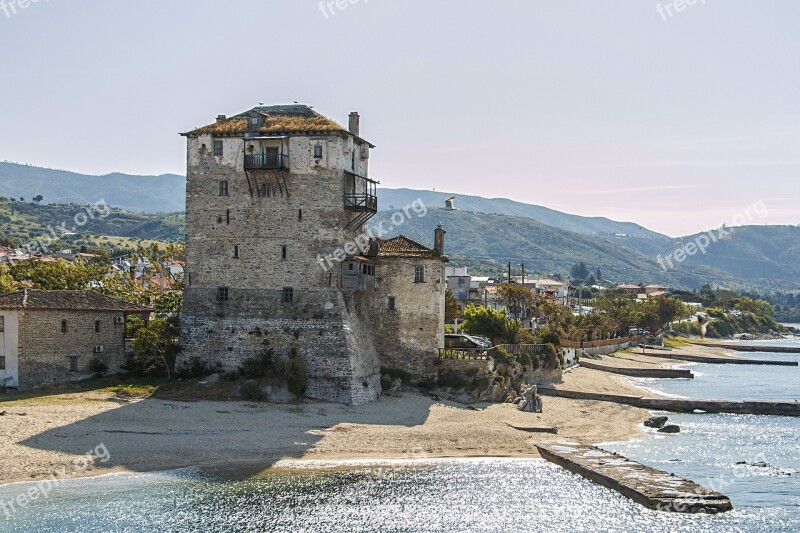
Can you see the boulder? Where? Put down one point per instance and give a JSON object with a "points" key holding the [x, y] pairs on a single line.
{"points": [[656, 422], [395, 388], [670, 428]]}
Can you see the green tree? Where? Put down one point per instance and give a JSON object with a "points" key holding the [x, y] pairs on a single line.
{"points": [[38, 198], [516, 298], [452, 311], [579, 272], [485, 321], [757, 307], [159, 339]]}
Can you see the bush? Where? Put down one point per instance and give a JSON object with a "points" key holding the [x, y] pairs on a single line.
{"points": [[257, 367], [452, 380], [196, 368], [502, 357], [552, 358], [143, 366], [251, 391], [427, 384], [294, 371], [98, 367]]}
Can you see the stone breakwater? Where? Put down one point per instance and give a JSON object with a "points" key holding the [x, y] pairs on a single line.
{"points": [[676, 405], [647, 486]]}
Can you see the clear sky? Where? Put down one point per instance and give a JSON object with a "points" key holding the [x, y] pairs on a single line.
{"points": [[679, 121]]}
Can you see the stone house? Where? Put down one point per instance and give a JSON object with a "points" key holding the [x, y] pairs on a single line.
{"points": [[279, 259], [49, 336]]}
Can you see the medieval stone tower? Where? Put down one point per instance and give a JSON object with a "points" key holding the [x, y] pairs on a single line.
{"points": [[268, 192]]}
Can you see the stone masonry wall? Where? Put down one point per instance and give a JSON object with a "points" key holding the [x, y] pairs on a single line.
{"points": [[309, 221], [409, 337], [44, 351]]}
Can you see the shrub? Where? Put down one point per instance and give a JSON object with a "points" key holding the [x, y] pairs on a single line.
{"points": [[552, 358], [427, 384], [452, 380], [195, 368], [256, 368], [294, 371], [98, 367], [251, 391], [502, 357]]}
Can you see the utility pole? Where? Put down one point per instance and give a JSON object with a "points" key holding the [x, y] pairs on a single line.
{"points": [[509, 271], [523, 274]]}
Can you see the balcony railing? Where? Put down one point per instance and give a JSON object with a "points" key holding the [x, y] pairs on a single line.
{"points": [[361, 202], [265, 161]]}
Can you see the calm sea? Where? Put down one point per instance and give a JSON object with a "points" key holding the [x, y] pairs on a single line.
{"points": [[482, 495]]}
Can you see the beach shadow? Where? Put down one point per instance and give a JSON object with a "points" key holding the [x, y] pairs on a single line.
{"points": [[245, 438]]}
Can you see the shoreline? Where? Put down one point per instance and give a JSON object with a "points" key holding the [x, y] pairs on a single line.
{"points": [[156, 435]]}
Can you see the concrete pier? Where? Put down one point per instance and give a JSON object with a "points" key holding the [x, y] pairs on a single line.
{"points": [[681, 405], [751, 347], [647, 486], [720, 360], [639, 372]]}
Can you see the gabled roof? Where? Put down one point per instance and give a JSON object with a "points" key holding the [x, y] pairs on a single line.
{"points": [[66, 300], [402, 246], [276, 119]]}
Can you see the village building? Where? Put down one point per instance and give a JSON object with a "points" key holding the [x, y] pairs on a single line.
{"points": [[49, 336], [279, 261]]}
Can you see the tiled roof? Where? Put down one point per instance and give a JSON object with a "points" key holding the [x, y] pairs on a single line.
{"points": [[402, 246], [67, 300], [276, 119]]}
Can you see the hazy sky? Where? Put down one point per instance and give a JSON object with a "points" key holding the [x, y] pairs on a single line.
{"points": [[606, 108]]}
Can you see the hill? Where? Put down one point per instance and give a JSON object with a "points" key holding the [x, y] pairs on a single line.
{"points": [[390, 199], [165, 193], [94, 226], [489, 242]]}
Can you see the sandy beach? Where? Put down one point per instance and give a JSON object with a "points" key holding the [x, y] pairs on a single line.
{"points": [[43, 435]]}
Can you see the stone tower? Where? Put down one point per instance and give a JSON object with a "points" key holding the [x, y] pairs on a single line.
{"points": [[269, 191]]}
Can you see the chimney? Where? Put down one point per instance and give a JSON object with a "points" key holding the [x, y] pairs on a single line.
{"points": [[355, 123], [438, 240], [221, 118]]}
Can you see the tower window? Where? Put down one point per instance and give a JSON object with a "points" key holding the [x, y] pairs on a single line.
{"points": [[218, 148], [2, 362], [223, 188], [419, 274], [63, 326], [73, 364], [236, 252], [392, 303], [318, 151], [265, 190], [222, 294], [97, 326], [284, 253], [299, 214], [2, 324], [288, 295], [228, 216]]}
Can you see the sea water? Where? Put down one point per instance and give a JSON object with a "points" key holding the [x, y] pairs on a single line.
{"points": [[456, 495]]}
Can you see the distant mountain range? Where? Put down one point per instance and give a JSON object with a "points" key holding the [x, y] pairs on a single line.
{"points": [[165, 193], [391, 199], [483, 233]]}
